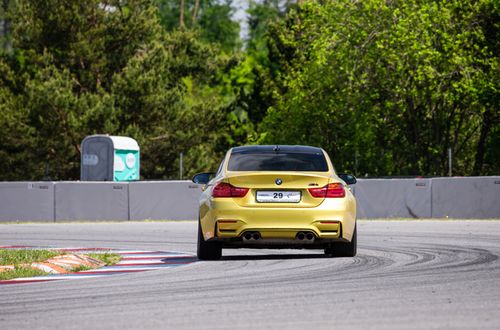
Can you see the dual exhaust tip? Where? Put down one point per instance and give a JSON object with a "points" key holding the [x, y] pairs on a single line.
{"points": [[301, 236], [304, 235], [251, 235]]}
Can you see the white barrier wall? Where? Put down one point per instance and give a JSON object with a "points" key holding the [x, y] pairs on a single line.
{"points": [[173, 200], [393, 198], [462, 198], [466, 198], [91, 201], [27, 200]]}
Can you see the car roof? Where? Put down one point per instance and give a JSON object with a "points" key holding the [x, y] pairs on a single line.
{"points": [[277, 148]]}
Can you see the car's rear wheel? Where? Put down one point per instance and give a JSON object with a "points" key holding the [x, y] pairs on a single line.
{"points": [[207, 250], [341, 249]]}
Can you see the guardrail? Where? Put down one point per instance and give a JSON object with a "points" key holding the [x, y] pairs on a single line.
{"points": [[457, 197]]}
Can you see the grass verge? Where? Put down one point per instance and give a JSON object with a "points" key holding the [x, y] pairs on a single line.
{"points": [[21, 272], [108, 258], [21, 259]]}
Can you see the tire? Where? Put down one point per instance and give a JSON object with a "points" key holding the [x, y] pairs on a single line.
{"points": [[341, 249], [207, 250]]}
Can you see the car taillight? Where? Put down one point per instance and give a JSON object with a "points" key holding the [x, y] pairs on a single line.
{"points": [[223, 189], [331, 190]]}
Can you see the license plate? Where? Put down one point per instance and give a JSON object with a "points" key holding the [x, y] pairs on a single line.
{"points": [[278, 196]]}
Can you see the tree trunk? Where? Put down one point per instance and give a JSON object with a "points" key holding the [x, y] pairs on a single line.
{"points": [[5, 25], [181, 15], [194, 14], [481, 144]]}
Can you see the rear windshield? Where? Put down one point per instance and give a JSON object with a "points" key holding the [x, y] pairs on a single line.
{"points": [[278, 161]]}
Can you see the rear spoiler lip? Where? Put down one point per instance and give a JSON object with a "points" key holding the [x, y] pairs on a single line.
{"points": [[230, 174]]}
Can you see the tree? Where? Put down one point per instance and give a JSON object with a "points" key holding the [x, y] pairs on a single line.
{"points": [[487, 158], [217, 26], [17, 136], [212, 18], [81, 69], [385, 87], [67, 54], [168, 104], [396, 83], [252, 80], [5, 25]]}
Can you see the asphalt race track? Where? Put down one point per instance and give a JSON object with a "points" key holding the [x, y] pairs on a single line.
{"points": [[407, 275]]}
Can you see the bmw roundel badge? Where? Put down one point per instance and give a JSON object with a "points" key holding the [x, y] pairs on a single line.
{"points": [[278, 181]]}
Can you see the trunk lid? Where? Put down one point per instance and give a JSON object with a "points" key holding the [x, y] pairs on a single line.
{"points": [[290, 182]]}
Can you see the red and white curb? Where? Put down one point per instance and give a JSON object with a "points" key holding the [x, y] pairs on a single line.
{"points": [[132, 261]]}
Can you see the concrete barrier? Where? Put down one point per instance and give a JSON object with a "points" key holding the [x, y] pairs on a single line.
{"points": [[466, 197], [172, 200], [91, 201], [393, 198], [20, 201], [470, 197]]}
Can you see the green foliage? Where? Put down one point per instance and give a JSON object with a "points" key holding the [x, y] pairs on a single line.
{"points": [[385, 87], [81, 69], [217, 26], [167, 101], [19, 257], [108, 258], [396, 84], [212, 18], [261, 14], [19, 272], [15, 144], [22, 259], [63, 118], [5, 42]]}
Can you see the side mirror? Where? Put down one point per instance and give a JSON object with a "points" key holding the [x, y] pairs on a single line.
{"points": [[203, 178], [348, 178]]}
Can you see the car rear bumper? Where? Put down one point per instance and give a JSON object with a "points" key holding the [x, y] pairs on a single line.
{"points": [[332, 220]]}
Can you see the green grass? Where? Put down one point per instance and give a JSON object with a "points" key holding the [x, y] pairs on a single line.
{"points": [[21, 272], [21, 259], [108, 258], [80, 268]]}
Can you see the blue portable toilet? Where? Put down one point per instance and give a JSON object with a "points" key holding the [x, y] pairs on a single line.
{"points": [[109, 158]]}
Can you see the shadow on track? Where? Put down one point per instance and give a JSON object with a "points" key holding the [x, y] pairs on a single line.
{"points": [[276, 257]]}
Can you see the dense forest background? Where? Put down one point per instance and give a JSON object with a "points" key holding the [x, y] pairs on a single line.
{"points": [[385, 86]]}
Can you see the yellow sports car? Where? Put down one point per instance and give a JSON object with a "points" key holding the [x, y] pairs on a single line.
{"points": [[276, 197]]}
